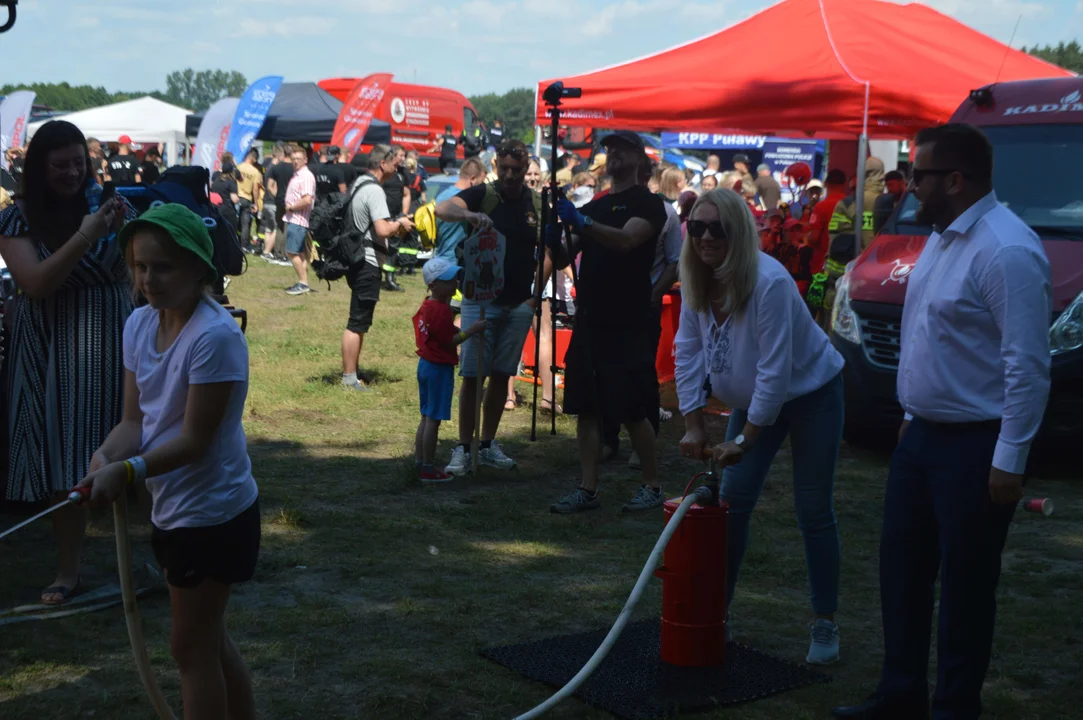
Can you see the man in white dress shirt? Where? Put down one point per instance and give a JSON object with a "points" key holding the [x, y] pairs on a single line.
{"points": [[973, 380]]}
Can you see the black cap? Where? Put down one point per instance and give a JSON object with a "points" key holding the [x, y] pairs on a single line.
{"points": [[626, 136], [332, 151], [740, 157]]}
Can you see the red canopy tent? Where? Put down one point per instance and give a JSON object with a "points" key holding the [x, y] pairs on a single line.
{"points": [[823, 68]]}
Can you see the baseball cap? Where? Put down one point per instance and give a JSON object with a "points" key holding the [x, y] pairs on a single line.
{"points": [[814, 183], [599, 162], [626, 136], [792, 223], [740, 157], [332, 151], [439, 269], [763, 166], [125, 140], [184, 226]]}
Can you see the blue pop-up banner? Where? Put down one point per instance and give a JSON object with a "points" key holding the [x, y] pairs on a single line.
{"points": [[251, 112]]}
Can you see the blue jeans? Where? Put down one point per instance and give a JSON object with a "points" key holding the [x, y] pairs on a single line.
{"points": [[814, 424]]}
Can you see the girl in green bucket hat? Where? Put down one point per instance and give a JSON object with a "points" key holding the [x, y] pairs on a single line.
{"points": [[186, 380]]}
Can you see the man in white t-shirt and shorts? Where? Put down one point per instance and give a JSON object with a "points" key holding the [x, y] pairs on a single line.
{"points": [[371, 217]]}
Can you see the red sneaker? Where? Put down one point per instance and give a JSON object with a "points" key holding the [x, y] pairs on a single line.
{"points": [[436, 476]]}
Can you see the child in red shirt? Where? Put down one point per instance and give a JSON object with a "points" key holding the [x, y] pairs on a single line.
{"points": [[437, 339]]}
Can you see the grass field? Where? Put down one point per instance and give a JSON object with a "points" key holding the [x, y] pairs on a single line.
{"points": [[373, 594]]}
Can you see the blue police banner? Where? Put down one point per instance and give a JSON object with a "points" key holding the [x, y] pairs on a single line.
{"points": [[780, 153], [712, 141], [251, 112]]}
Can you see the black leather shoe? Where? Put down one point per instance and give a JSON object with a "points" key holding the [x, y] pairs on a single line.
{"points": [[878, 707]]}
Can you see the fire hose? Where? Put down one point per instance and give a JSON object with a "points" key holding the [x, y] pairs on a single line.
{"points": [[706, 495], [127, 592]]}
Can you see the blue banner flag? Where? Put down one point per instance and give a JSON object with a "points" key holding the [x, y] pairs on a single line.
{"points": [[251, 112]]}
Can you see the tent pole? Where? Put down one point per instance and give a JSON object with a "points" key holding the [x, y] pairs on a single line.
{"points": [[859, 189]]}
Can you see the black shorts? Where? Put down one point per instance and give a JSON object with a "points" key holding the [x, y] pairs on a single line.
{"points": [[609, 373], [225, 553], [268, 222], [280, 214], [364, 281]]}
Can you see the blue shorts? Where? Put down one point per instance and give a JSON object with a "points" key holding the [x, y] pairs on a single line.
{"points": [[504, 340], [295, 239], [436, 385]]}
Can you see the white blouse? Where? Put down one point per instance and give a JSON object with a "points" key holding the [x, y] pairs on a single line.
{"points": [[766, 355]]}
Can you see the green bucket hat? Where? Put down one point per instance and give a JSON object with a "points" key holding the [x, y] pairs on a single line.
{"points": [[184, 226]]}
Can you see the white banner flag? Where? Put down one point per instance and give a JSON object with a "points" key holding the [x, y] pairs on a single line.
{"points": [[214, 134], [14, 117]]}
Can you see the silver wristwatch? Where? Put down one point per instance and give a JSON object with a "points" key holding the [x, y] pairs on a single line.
{"points": [[740, 441]]}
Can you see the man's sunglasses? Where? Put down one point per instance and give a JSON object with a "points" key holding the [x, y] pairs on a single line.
{"points": [[916, 176], [697, 229], [515, 150]]}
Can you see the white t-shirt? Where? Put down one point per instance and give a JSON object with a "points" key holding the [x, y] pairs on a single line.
{"points": [[210, 349], [770, 353], [369, 205]]}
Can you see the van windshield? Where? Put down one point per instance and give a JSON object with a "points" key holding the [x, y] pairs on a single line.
{"points": [[1034, 173]]}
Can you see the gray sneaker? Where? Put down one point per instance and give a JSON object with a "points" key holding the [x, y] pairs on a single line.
{"points": [[824, 646], [460, 462], [356, 387], [298, 289], [646, 499], [576, 501], [494, 457]]}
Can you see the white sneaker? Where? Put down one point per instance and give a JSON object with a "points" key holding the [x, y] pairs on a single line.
{"points": [[824, 648], [493, 456], [460, 462]]}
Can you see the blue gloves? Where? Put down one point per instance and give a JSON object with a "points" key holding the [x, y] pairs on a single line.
{"points": [[567, 213], [554, 235]]}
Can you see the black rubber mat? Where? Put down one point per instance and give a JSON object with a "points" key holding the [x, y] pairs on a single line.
{"points": [[633, 683]]}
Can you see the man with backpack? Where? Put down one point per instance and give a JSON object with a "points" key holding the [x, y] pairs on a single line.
{"points": [[370, 217], [514, 210]]}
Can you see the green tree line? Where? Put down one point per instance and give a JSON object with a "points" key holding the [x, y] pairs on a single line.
{"points": [[195, 90], [1067, 55], [515, 108]]}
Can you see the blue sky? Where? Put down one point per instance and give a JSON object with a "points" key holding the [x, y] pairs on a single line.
{"points": [[470, 45]]}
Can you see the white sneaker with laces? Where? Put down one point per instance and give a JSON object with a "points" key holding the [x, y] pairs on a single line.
{"points": [[493, 456], [824, 648], [460, 462]]}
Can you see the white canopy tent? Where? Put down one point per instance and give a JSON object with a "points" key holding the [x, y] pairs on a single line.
{"points": [[144, 120]]}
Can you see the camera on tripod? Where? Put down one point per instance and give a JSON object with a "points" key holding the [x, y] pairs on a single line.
{"points": [[557, 92]]}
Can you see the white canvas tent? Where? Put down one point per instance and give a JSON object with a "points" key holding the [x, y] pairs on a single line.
{"points": [[144, 119]]}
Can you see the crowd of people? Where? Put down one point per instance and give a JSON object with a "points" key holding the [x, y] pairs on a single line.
{"points": [[157, 395]]}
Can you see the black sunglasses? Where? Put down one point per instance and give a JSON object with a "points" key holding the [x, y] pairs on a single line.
{"points": [[697, 229], [916, 176]]}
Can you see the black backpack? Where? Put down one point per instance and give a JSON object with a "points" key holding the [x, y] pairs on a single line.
{"points": [[339, 243], [189, 186]]}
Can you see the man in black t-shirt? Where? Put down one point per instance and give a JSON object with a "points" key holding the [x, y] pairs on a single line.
{"points": [[330, 179], [447, 144], [149, 170], [123, 168], [398, 204], [512, 209], [609, 367]]}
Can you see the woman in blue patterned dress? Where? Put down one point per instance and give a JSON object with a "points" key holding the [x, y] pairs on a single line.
{"points": [[65, 369]]}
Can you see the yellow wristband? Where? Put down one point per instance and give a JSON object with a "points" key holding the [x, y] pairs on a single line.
{"points": [[131, 471]]}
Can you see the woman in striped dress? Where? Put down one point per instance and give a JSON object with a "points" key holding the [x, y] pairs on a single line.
{"points": [[65, 369]]}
